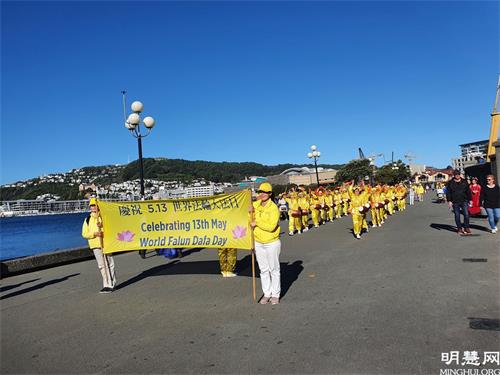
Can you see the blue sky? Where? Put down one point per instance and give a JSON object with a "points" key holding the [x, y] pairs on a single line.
{"points": [[244, 81]]}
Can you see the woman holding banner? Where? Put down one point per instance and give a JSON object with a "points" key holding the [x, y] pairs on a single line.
{"points": [[92, 231], [266, 230]]}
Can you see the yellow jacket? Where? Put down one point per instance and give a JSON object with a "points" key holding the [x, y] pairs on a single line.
{"points": [[89, 227], [356, 202], [267, 218], [293, 203], [304, 203], [329, 199]]}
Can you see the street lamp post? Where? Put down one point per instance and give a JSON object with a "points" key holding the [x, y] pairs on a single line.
{"points": [[133, 123], [315, 154]]}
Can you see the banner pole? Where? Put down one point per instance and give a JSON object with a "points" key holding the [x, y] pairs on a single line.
{"points": [[253, 275], [104, 259], [252, 251]]}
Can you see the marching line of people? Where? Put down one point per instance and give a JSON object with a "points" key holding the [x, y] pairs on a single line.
{"points": [[324, 205], [321, 205]]}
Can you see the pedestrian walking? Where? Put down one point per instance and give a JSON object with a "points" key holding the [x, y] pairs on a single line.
{"points": [[411, 194], [92, 231], [283, 207], [265, 225], [459, 196], [490, 200], [475, 206]]}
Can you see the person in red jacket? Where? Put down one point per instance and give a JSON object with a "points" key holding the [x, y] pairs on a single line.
{"points": [[475, 188]]}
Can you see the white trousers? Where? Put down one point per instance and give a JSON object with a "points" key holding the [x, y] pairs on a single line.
{"points": [[269, 264], [412, 199], [107, 268]]}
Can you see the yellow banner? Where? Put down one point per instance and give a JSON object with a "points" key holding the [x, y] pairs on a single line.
{"points": [[213, 222]]}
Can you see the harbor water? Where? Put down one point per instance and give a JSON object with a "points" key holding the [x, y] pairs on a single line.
{"points": [[29, 235]]}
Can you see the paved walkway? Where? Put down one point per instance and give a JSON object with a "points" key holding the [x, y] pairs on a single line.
{"points": [[390, 303]]}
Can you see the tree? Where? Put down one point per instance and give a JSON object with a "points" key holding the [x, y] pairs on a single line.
{"points": [[355, 170], [392, 174]]}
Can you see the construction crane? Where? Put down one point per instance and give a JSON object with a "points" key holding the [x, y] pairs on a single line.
{"points": [[495, 120], [371, 157]]}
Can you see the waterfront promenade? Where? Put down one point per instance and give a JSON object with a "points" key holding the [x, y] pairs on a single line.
{"points": [[390, 303]]}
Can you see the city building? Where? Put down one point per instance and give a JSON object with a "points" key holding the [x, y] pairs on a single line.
{"points": [[471, 154], [432, 176], [303, 176]]}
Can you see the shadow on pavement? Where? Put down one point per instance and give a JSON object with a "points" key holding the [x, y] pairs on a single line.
{"points": [[8, 287], [479, 227], [38, 286], [453, 228], [447, 227], [289, 272]]}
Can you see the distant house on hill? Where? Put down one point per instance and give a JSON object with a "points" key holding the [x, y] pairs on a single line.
{"points": [[433, 175]]}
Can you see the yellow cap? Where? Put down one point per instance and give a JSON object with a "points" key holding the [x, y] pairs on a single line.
{"points": [[92, 202], [266, 187]]}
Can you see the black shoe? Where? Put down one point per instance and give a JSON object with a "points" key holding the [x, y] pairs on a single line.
{"points": [[105, 290], [142, 254]]}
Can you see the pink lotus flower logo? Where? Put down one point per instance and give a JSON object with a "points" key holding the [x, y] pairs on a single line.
{"points": [[126, 236], [239, 232]]}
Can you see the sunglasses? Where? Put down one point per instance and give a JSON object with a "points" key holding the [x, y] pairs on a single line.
{"points": [[262, 191]]}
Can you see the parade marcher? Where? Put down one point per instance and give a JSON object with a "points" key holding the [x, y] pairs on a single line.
{"points": [[92, 231], [376, 204], [385, 201], [365, 193], [337, 199], [329, 205], [346, 199], [490, 200], [458, 195], [315, 207], [265, 225], [227, 261], [304, 209], [420, 192], [294, 214], [389, 195], [475, 189], [357, 201], [401, 197]]}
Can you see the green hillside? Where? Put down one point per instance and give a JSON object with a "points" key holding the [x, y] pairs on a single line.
{"points": [[154, 168]]}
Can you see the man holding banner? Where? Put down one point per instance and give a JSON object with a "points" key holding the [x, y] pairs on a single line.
{"points": [[92, 231], [266, 229]]}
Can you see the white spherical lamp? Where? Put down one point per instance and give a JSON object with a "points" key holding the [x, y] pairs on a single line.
{"points": [[137, 107], [149, 122], [318, 154], [313, 148], [134, 119], [309, 155], [129, 126]]}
